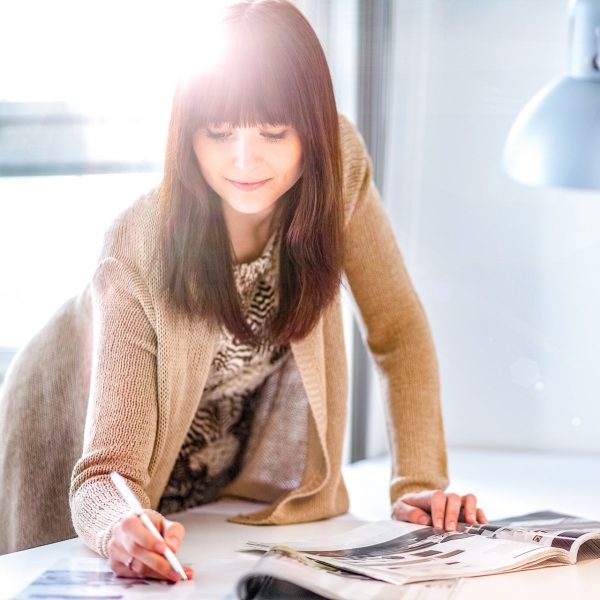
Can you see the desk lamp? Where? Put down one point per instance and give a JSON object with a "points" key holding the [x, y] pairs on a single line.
{"points": [[555, 140]]}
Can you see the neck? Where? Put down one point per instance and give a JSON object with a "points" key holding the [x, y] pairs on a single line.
{"points": [[248, 233]]}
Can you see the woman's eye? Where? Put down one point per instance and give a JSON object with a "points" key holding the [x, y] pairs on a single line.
{"points": [[217, 135], [224, 134], [273, 136]]}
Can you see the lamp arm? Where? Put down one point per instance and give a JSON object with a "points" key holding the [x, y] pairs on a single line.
{"points": [[584, 39]]}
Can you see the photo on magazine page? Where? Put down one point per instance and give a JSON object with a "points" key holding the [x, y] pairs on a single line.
{"points": [[86, 578], [546, 528]]}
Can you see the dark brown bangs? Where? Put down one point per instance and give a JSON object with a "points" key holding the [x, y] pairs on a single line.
{"points": [[252, 83]]}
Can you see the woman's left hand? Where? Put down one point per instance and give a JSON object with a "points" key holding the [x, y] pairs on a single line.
{"points": [[437, 508]]}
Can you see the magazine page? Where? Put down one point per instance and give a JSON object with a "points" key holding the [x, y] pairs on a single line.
{"points": [[284, 574], [92, 578], [576, 535], [89, 577], [398, 552]]}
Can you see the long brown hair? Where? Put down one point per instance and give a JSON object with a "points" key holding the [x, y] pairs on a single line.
{"points": [[273, 71]]}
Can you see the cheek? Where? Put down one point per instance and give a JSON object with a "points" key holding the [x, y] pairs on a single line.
{"points": [[208, 163], [293, 164], [198, 149], [204, 149]]}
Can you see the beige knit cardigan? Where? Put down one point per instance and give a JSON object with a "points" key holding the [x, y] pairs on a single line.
{"points": [[140, 367]]}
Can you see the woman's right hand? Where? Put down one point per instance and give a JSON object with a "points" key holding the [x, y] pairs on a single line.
{"points": [[134, 552]]}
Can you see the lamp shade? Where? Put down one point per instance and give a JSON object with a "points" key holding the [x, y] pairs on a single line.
{"points": [[555, 140], [556, 137]]}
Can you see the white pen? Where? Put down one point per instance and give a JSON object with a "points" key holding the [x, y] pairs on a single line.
{"points": [[136, 507]]}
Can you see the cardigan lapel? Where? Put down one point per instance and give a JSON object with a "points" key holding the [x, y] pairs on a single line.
{"points": [[309, 354], [185, 351]]}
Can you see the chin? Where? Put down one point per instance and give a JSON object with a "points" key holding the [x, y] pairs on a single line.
{"points": [[251, 209]]}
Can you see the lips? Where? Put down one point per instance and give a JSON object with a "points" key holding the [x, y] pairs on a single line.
{"points": [[248, 186]]}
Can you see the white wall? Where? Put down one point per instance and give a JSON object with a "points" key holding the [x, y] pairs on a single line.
{"points": [[509, 275]]}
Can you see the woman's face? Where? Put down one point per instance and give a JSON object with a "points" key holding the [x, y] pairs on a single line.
{"points": [[250, 168]]}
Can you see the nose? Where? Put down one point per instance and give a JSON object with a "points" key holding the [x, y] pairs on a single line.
{"points": [[245, 151]]}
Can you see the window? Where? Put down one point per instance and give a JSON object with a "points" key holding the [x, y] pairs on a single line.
{"points": [[84, 108]]}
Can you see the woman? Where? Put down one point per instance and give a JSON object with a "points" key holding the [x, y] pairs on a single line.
{"points": [[217, 356]]}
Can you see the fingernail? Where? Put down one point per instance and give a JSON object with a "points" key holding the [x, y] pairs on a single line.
{"points": [[424, 520], [160, 548], [451, 525], [438, 523], [174, 576]]}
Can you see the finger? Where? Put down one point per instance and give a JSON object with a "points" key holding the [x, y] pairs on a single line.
{"points": [[134, 533], [453, 502], [481, 518], [173, 533], [419, 499], [118, 557], [119, 561], [405, 512], [151, 564], [119, 568], [469, 505], [438, 508]]}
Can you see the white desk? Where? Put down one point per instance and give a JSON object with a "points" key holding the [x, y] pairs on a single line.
{"points": [[506, 483]]}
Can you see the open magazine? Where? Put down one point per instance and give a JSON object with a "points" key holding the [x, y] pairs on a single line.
{"points": [[378, 561], [401, 553]]}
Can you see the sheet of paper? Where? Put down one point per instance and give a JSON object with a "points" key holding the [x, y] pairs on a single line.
{"points": [[92, 579]]}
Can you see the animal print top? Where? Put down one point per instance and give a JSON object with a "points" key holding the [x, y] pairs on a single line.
{"points": [[211, 455]]}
